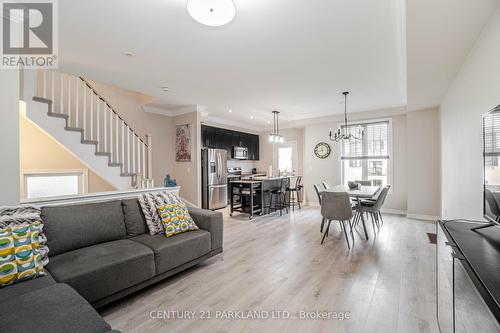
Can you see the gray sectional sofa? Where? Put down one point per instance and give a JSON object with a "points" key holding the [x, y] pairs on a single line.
{"points": [[99, 253]]}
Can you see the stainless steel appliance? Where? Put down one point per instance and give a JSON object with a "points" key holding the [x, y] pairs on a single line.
{"points": [[240, 153], [214, 178]]}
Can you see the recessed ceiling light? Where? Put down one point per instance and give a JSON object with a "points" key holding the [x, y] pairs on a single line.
{"points": [[251, 117], [213, 13], [230, 111], [268, 121], [128, 54]]}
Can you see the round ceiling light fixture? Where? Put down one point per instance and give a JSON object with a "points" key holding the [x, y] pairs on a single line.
{"points": [[213, 13]]}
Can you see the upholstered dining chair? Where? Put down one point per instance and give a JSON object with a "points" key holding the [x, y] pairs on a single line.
{"points": [[373, 207], [364, 182], [336, 206], [326, 185], [319, 190]]}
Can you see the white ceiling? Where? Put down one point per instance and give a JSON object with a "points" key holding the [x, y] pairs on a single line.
{"points": [[440, 34], [291, 55]]}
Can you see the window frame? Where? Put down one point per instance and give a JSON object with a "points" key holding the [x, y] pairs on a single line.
{"points": [[390, 136], [82, 181]]}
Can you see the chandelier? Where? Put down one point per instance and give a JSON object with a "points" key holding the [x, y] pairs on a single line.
{"points": [[275, 135], [345, 132]]}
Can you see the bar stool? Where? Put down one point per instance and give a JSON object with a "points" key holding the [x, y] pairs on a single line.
{"points": [[280, 193], [294, 193]]}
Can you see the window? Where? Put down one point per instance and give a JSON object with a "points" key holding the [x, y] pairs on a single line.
{"points": [[285, 159], [368, 158], [286, 156], [53, 184]]}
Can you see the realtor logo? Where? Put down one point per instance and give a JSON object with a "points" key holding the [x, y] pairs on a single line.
{"points": [[29, 34]]}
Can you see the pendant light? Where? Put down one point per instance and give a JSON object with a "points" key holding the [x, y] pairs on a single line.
{"points": [[275, 136], [344, 132]]}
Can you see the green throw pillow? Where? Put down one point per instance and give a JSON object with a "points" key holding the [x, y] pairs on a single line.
{"points": [[176, 219], [20, 257]]}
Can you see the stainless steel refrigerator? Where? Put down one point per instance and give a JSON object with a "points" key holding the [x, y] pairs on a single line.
{"points": [[214, 178]]}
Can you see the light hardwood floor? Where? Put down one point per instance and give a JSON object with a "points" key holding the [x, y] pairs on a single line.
{"points": [[277, 263]]}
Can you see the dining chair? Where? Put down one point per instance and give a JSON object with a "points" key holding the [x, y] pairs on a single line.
{"points": [[373, 207], [336, 206], [364, 182], [319, 190], [326, 185]]}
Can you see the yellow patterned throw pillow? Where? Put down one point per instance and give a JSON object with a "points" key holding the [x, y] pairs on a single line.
{"points": [[20, 257], [176, 219]]}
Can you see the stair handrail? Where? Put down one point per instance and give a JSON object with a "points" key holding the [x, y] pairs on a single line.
{"points": [[87, 83]]}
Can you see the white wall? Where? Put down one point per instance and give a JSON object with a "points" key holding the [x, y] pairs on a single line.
{"points": [[423, 163], [475, 90], [9, 137]]}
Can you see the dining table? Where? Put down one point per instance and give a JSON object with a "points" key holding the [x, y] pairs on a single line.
{"points": [[361, 192]]}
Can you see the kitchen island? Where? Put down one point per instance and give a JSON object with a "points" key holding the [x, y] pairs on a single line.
{"points": [[252, 196]]}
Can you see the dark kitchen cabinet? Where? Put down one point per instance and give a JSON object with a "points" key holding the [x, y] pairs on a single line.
{"points": [[208, 137], [220, 138]]}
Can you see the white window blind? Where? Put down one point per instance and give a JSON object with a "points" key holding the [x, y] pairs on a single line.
{"points": [[491, 137], [369, 157], [374, 143]]}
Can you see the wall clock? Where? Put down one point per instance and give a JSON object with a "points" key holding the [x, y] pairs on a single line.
{"points": [[322, 150]]}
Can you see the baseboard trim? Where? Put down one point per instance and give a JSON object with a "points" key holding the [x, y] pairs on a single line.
{"points": [[422, 217], [393, 211]]}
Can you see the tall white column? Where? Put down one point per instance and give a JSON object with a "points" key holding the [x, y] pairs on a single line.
{"points": [[9, 137]]}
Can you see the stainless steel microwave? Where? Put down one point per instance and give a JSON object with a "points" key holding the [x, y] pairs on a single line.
{"points": [[240, 153]]}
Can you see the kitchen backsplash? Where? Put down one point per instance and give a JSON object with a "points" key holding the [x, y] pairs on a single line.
{"points": [[246, 166]]}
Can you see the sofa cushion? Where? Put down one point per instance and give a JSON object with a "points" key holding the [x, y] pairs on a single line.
{"points": [[53, 309], [27, 286], [100, 270], [135, 223], [75, 226], [176, 250]]}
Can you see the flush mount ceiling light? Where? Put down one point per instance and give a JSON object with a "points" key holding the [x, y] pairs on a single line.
{"points": [[213, 13]]}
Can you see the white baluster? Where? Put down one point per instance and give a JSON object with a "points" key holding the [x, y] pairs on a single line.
{"points": [[44, 85], [144, 160], [105, 127], [77, 102], [98, 120], [134, 166], [91, 125], [128, 150], [111, 136], [69, 100], [52, 90], [117, 139], [123, 146], [84, 96], [61, 89]]}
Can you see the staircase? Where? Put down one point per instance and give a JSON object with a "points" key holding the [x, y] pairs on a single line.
{"points": [[83, 121]]}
